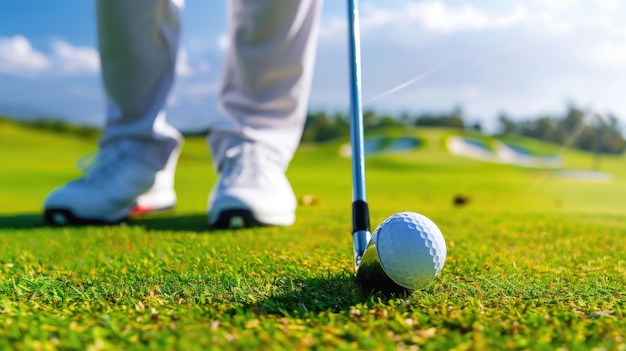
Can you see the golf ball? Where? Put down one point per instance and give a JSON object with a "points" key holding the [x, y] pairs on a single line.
{"points": [[411, 249]]}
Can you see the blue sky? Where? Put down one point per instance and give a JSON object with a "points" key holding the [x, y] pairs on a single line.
{"points": [[526, 57]]}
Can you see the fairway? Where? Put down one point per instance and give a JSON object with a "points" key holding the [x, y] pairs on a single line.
{"points": [[535, 261]]}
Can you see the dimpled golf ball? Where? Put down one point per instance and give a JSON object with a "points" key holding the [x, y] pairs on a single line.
{"points": [[411, 249]]}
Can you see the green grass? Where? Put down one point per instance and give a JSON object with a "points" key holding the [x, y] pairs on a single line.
{"points": [[534, 261]]}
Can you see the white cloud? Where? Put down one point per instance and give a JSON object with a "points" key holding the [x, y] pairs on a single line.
{"points": [[558, 5], [19, 58], [437, 16], [608, 5], [611, 53], [545, 23], [193, 92], [222, 42], [186, 67], [408, 19], [538, 55], [334, 27], [204, 66], [74, 60], [172, 100], [182, 64]]}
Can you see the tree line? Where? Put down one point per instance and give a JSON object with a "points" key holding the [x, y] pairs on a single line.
{"points": [[575, 128], [56, 125], [321, 126]]}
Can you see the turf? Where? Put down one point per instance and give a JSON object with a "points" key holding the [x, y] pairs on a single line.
{"points": [[534, 261]]}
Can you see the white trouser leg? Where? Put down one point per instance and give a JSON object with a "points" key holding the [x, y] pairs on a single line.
{"points": [[268, 75], [138, 42]]}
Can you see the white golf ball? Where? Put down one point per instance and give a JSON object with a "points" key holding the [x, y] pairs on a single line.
{"points": [[411, 249]]}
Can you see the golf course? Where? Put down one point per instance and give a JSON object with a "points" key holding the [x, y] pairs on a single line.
{"points": [[536, 256]]}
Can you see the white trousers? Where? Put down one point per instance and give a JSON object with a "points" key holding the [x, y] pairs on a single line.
{"points": [[266, 81]]}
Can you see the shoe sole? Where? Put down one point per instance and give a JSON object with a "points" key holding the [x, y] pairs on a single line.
{"points": [[142, 210], [62, 217], [235, 219]]}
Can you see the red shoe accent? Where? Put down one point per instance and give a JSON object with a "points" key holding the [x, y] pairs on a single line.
{"points": [[140, 210]]}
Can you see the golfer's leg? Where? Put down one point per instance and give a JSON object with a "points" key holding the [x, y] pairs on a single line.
{"points": [[138, 151], [265, 94], [138, 43], [268, 74]]}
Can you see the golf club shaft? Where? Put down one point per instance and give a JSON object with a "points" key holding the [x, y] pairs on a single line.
{"points": [[360, 211]]}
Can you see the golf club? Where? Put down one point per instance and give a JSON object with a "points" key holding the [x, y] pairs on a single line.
{"points": [[368, 276], [360, 211], [407, 250]]}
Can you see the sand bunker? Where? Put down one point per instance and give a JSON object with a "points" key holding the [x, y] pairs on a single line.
{"points": [[591, 176], [500, 153], [383, 145]]}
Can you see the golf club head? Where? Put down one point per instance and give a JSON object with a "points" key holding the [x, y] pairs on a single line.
{"points": [[361, 239], [370, 274], [406, 252]]}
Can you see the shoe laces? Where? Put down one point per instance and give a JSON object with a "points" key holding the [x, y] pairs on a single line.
{"points": [[96, 165], [244, 164], [87, 161]]}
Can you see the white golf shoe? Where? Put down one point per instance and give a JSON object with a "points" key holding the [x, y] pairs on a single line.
{"points": [[114, 188], [252, 190]]}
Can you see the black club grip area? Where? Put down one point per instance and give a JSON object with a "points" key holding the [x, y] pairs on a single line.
{"points": [[360, 216]]}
